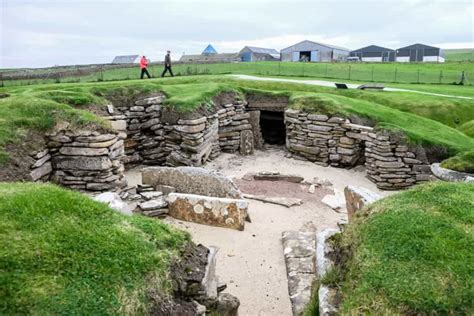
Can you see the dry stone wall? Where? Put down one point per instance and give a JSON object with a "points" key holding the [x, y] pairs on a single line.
{"points": [[335, 141], [159, 136], [87, 160]]}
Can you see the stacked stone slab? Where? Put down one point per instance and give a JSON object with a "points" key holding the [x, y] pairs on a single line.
{"points": [[41, 168], [145, 133], [335, 141], [391, 164], [235, 128], [321, 139], [193, 141], [86, 160]]}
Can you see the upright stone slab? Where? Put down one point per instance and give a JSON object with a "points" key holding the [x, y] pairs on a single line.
{"points": [[212, 211], [357, 198], [246, 142]]}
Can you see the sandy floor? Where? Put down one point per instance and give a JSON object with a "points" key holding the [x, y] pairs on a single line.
{"points": [[251, 262]]}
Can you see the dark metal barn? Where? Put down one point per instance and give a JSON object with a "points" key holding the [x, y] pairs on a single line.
{"points": [[420, 53], [374, 53]]}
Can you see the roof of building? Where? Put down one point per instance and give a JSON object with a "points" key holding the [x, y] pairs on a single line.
{"points": [[322, 44], [419, 46], [210, 58], [209, 50], [125, 59], [372, 49], [260, 50]]}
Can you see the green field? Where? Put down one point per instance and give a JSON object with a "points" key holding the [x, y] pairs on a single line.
{"points": [[63, 253], [461, 54], [408, 73], [410, 254]]}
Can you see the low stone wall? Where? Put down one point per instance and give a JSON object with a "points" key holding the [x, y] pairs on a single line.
{"points": [[159, 136], [42, 168], [357, 198], [335, 141], [87, 160]]}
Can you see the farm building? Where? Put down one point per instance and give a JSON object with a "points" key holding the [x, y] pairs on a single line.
{"points": [[210, 55], [250, 53], [420, 53], [314, 52], [126, 59], [374, 53], [209, 50]]}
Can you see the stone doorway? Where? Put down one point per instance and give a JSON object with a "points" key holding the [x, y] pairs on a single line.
{"points": [[272, 125]]}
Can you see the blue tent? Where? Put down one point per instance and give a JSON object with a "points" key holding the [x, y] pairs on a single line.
{"points": [[209, 50]]}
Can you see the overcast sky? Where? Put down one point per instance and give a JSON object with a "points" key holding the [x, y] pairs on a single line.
{"points": [[38, 33]]}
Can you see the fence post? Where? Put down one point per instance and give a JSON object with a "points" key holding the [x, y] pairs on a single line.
{"points": [[418, 76], [1, 81], [372, 73], [279, 68], [440, 76], [395, 79], [303, 68], [327, 65], [349, 72]]}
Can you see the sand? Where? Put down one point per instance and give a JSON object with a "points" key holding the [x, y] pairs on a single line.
{"points": [[251, 261]]}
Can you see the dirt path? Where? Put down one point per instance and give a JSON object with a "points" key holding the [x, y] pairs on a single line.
{"points": [[330, 84], [251, 262]]}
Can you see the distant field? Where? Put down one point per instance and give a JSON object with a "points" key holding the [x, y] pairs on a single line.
{"points": [[432, 73], [462, 54]]}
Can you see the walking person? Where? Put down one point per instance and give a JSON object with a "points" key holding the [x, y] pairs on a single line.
{"points": [[143, 66], [167, 65]]}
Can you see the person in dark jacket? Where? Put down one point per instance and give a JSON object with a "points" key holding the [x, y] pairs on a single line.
{"points": [[143, 66], [167, 65]]}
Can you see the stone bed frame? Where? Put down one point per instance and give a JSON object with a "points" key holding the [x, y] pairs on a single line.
{"points": [[148, 133]]}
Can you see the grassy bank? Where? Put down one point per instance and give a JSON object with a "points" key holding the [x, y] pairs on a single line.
{"points": [[411, 253], [61, 252], [425, 119]]}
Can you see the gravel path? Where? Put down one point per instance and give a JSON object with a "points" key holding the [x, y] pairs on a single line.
{"points": [[324, 83], [251, 261]]}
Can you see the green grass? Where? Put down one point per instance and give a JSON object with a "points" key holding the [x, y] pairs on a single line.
{"points": [[412, 253], [463, 162], [462, 54], [62, 253], [467, 128], [431, 73], [425, 119]]}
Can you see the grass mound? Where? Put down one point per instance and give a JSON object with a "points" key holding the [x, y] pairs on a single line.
{"points": [[468, 128], [412, 254], [463, 162], [61, 252]]}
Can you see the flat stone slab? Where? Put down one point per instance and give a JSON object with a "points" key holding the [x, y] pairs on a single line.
{"points": [[336, 201], [275, 176], [192, 180], [357, 198], [212, 211], [450, 175], [287, 202], [153, 204], [299, 250]]}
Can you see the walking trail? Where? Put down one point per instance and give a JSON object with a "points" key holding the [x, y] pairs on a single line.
{"points": [[331, 84], [251, 261]]}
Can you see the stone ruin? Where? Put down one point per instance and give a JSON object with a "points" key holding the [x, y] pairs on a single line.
{"points": [[147, 132]]}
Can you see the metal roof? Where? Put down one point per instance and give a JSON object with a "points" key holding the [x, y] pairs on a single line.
{"points": [[260, 50], [418, 46], [372, 49], [209, 50], [125, 59], [322, 44]]}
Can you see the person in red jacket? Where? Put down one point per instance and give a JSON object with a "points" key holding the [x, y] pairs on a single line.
{"points": [[143, 66]]}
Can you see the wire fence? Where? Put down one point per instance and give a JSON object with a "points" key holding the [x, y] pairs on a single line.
{"points": [[383, 73]]}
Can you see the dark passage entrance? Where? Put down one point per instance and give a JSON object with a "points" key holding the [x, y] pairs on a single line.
{"points": [[273, 127]]}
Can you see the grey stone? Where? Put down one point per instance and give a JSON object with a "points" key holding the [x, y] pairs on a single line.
{"points": [[83, 151], [42, 171], [190, 128], [95, 139], [114, 201], [41, 161], [193, 122], [246, 142], [82, 163], [213, 211], [154, 204], [119, 125], [287, 202], [450, 175], [227, 305], [149, 195], [357, 198], [319, 128], [191, 180]]}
